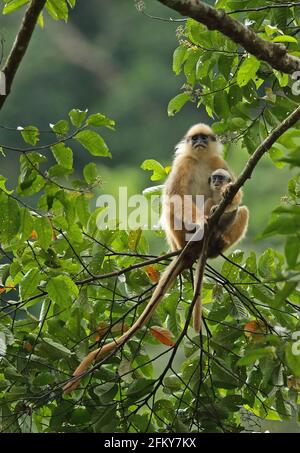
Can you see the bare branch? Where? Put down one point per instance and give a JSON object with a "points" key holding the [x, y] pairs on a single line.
{"points": [[127, 269], [21, 44], [217, 19], [266, 7]]}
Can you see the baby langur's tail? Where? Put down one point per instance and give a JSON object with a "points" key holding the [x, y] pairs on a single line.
{"points": [[197, 315], [167, 279], [197, 310]]}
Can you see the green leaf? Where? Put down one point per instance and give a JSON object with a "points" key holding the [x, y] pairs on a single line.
{"points": [[144, 364], [41, 20], [190, 66], [82, 209], [57, 348], [3, 347], [79, 416], [90, 172], [282, 406], [107, 421], [62, 289], [9, 218], [158, 170], [176, 104], [77, 117], [292, 355], [12, 5], [2, 185], [140, 387], [4, 273], [284, 221], [29, 283], [93, 142], [285, 38], [106, 391], [282, 78], [179, 57], [173, 383], [58, 9], [292, 250], [294, 187], [61, 128], [63, 155], [98, 120], [30, 134], [43, 379], [255, 354], [44, 231], [248, 70], [277, 153]]}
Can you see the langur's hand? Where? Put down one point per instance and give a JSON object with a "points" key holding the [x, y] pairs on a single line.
{"points": [[226, 189]]}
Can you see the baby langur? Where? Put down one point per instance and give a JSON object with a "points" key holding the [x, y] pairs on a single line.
{"points": [[219, 182], [231, 233], [231, 227]]}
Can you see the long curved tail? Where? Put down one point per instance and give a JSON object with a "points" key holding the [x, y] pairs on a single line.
{"points": [[167, 279]]}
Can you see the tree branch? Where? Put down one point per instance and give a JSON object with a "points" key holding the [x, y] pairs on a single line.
{"points": [[125, 270], [216, 19], [265, 146], [246, 174], [21, 44]]}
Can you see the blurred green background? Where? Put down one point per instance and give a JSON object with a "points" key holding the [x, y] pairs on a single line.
{"points": [[115, 60]]}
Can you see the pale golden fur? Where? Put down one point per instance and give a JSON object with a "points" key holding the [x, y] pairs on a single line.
{"points": [[191, 170], [236, 231], [189, 176]]}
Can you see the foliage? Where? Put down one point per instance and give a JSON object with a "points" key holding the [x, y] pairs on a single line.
{"points": [[57, 302]]}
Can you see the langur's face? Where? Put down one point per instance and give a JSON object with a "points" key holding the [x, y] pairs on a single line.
{"points": [[219, 178], [200, 137]]}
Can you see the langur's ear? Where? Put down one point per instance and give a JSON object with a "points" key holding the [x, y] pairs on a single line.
{"points": [[209, 180]]}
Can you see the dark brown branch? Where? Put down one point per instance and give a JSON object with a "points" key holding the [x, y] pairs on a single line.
{"points": [[216, 19], [130, 268], [21, 44]]}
